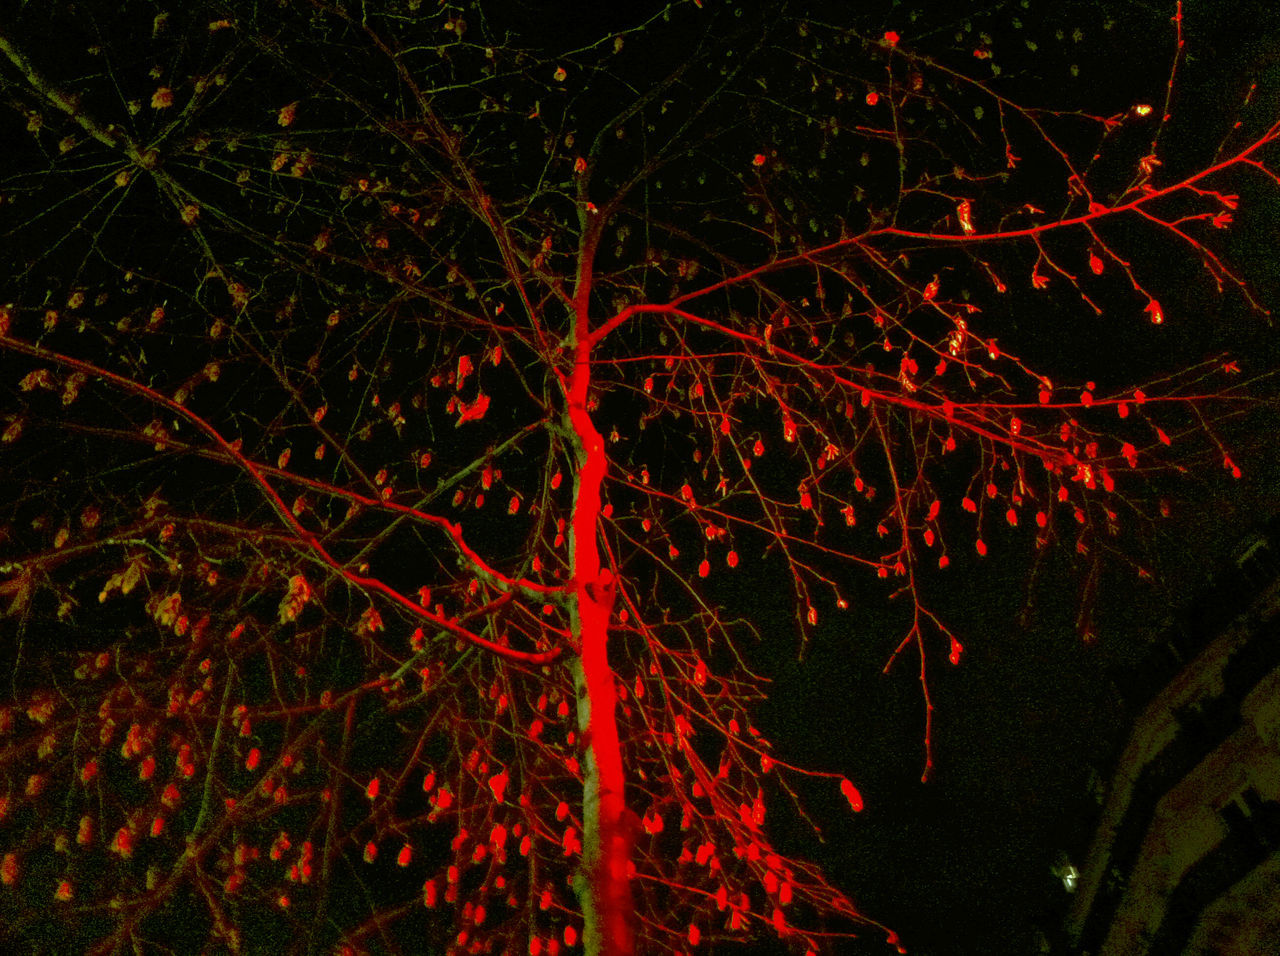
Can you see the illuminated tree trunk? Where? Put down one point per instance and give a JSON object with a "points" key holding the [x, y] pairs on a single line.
{"points": [[603, 881], [290, 288]]}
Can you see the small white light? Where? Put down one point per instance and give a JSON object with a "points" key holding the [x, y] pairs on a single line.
{"points": [[1069, 876]]}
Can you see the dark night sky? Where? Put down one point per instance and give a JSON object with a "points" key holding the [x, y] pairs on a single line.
{"points": [[960, 865]]}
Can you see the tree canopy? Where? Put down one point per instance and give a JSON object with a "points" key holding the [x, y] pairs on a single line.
{"points": [[402, 408]]}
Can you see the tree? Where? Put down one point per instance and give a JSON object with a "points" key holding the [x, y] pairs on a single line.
{"points": [[391, 405]]}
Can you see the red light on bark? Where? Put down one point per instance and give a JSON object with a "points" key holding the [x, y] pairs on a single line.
{"points": [[851, 794]]}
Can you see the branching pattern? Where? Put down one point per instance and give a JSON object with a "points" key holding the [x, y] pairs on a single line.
{"points": [[388, 409]]}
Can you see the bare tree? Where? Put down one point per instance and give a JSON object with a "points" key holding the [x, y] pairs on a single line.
{"points": [[390, 409]]}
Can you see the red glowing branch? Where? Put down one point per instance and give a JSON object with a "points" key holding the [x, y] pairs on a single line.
{"points": [[620, 362], [311, 542]]}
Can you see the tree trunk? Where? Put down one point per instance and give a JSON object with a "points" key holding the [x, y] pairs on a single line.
{"points": [[603, 882]]}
